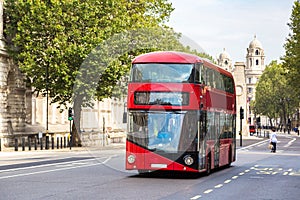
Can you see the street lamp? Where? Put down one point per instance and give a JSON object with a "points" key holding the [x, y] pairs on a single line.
{"points": [[47, 96], [288, 115], [125, 113]]}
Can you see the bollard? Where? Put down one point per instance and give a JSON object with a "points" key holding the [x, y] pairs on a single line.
{"points": [[35, 144], [23, 144], [47, 142], [57, 143], [29, 144], [52, 142], [16, 144], [65, 144], [41, 143], [70, 143], [0, 144]]}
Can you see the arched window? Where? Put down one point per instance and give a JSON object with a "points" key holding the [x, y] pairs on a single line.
{"points": [[256, 52], [257, 62]]}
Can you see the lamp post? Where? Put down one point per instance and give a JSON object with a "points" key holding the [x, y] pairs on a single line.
{"points": [[298, 116], [125, 113], [47, 96], [288, 115]]}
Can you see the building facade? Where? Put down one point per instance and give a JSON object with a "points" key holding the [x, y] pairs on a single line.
{"points": [[12, 93], [246, 75]]}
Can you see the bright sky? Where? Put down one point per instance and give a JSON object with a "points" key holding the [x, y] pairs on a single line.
{"points": [[231, 24]]}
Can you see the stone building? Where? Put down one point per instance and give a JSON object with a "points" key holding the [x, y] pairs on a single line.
{"points": [[246, 75], [12, 93]]}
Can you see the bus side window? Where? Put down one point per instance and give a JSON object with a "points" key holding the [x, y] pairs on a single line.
{"points": [[217, 80], [211, 78], [229, 86], [199, 73], [203, 74]]}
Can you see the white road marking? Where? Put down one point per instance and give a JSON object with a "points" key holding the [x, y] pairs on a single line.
{"points": [[47, 171], [55, 170], [195, 197], [290, 142], [227, 181], [208, 191], [219, 186], [285, 173], [48, 165]]}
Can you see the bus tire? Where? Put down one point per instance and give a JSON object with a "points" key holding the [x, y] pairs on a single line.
{"points": [[229, 157], [208, 165]]}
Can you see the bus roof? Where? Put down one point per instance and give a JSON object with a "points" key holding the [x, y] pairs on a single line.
{"points": [[167, 57], [176, 57]]}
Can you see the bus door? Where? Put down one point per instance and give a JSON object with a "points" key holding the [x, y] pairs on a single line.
{"points": [[202, 137], [217, 140]]}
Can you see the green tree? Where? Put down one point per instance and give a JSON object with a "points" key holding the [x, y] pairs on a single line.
{"points": [[274, 97], [292, 49], [58, 35]]}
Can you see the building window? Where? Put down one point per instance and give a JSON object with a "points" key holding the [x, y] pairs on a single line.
{"points": [[256, 52], [250, 90], [257, 62], [249, 80]]}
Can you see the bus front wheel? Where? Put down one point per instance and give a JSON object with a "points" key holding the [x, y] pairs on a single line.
{"points": [[208, 165]]}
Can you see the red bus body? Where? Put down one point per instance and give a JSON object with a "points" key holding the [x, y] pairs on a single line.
{"points": [[181, 114]]}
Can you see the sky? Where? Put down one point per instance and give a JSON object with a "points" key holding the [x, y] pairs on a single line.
{"points": [[212, 25]]}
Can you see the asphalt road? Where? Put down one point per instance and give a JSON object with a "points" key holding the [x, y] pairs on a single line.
{"points": [[100, 174]]}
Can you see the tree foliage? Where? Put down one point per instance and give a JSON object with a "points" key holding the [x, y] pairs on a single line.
{"points": [[292, 49], [274, 97]]}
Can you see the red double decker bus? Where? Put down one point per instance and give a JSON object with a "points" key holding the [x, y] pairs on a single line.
{"points": [[181, 114]]}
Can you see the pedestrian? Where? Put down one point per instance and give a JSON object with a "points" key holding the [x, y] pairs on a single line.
{"points": [[273, 140]]}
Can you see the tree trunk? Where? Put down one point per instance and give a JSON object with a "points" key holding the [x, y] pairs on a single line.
{"points": [[271, 123], [76, 129]]}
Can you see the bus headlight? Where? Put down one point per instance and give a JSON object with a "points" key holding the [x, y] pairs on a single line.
{"points": [[188, 160], [131, 159]]}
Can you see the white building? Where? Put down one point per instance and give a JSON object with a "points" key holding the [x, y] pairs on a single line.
{"points": [[246, 75]]}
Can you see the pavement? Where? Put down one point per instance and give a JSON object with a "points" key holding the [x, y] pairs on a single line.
{"points": [[8, 150]]}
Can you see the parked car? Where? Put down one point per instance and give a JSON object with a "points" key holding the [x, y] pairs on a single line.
{"points": [[252, 129]]}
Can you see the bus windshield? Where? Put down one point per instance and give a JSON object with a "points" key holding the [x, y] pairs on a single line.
{"points": [[163, 131], [162, 72]]}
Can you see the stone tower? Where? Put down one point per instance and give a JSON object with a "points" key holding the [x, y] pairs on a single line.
{"points": [[241, 95], [255, 65], [224, 60]]}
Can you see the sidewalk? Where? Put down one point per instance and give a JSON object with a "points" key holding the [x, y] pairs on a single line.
{"points": [[10, 150]]}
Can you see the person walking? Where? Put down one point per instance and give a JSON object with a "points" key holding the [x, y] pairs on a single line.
{"points": [[273, 140]]}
